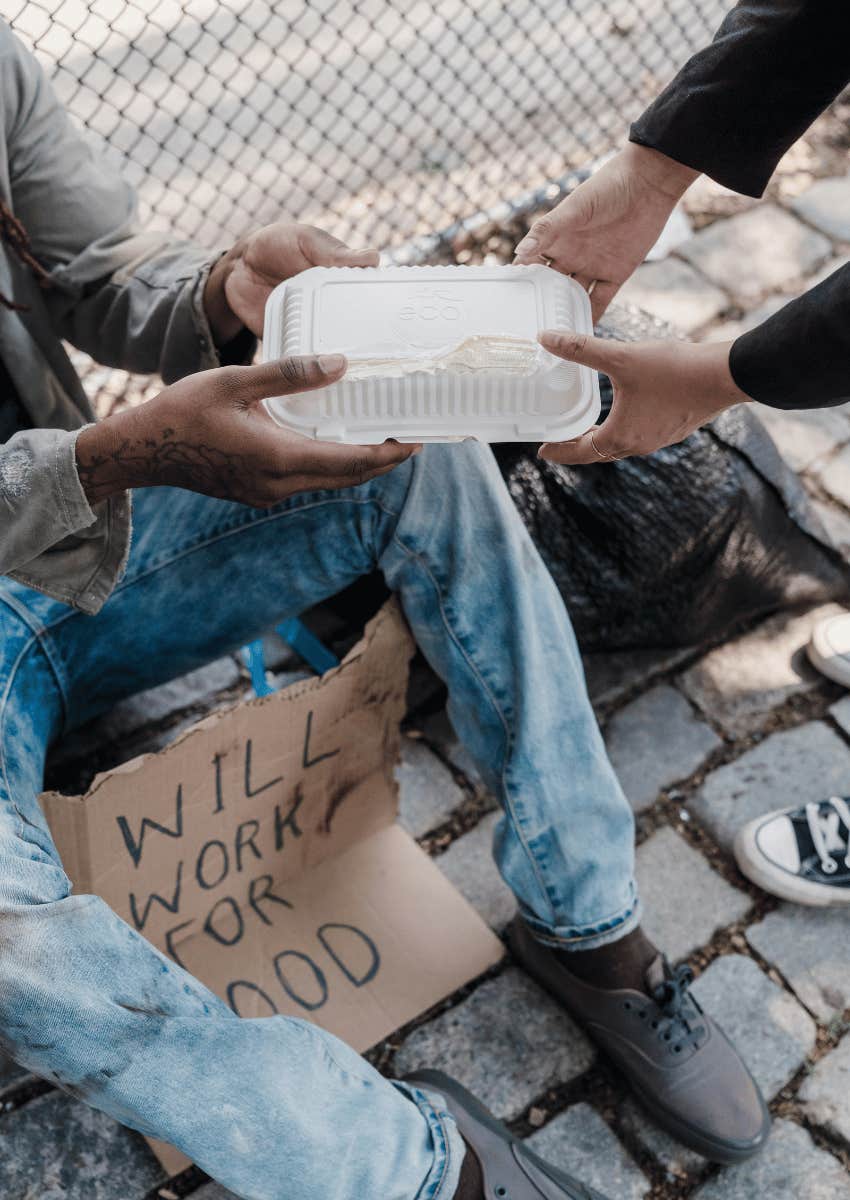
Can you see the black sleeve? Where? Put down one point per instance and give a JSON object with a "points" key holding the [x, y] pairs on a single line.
{"points": [[800, 357], [736, 106]]}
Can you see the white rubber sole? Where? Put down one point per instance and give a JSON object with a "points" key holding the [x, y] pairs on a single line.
{"points": [[755, 866], [823, 659]]}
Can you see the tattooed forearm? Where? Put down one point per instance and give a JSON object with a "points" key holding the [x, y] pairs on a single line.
{"points": [[108, 465]]}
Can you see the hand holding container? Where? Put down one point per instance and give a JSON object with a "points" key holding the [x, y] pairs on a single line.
{"points": [[434, 354]]}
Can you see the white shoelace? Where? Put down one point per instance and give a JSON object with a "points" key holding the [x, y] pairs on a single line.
{"points": [[825, 835]]}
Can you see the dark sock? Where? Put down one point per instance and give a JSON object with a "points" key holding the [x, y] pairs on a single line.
{"points": [[471, 1183], [620, 964]]}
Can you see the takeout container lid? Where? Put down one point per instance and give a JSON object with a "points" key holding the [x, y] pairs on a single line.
{"points": [[435, 353]]}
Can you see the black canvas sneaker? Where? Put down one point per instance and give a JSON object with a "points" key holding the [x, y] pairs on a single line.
{"points": [[800, 854]]}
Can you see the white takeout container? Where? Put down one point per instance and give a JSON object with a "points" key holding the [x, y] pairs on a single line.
{"points": [[434, 353]]}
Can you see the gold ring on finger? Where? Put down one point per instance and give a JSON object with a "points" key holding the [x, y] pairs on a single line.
{"points": [[600, 453]]}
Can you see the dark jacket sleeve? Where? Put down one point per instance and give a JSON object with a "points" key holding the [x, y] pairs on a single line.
{"points": [[800, 357], [736, 106]]}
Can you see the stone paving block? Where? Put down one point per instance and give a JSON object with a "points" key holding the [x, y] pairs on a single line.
{"points": [[56, 1148], [834, 476], [804, 436], [280, 680], [706, 197], [737, 684], [655, 741], [836, 522], [428, 794], [677, 1160], [439, 731], [468, 863], [507, 1043], [10, 1072], [824, 1095], [826, 205], [685, 901], [610, 676], [811, 949], [840, 712], [756, 252], [675, 292], [772, 1032], [787, 767], [834, 264], [727, 331], [278, 655], [197, 690], [578, 1141], [677, 229], [791, 1167]]}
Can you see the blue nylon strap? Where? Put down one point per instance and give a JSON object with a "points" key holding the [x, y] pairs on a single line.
{"points": [[296, 634], [305, 643], [256, 663]]}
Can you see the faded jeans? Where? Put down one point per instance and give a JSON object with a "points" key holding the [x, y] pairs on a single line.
{"points": [[275, 1107]]}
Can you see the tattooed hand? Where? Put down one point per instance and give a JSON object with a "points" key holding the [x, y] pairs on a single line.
{"points": [[209, 433], [240, 282]]}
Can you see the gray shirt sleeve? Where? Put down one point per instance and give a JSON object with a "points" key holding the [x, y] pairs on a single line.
{"points": [[129, 298], [50, 537]]}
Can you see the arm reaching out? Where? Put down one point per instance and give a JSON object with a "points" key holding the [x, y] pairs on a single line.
{"points": [[604, 229], [798, 358], [209, 433], [662, 392], [731, 113], [740, 103]]}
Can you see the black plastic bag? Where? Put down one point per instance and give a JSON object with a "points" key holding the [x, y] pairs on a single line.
{"points": [[679, 547]]}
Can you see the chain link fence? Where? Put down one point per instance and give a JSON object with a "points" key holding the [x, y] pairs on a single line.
{"points": [[384, 121], [391, 123]]}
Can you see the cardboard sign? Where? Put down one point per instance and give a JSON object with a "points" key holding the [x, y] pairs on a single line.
{"points": [[260, 851]]}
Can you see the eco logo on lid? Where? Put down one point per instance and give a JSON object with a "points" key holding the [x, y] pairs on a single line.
{"points": [[431, 304]]}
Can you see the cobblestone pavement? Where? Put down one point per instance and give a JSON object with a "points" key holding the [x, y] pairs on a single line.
{"points": [[746, 726]]}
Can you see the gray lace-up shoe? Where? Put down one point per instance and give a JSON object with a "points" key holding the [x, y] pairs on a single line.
{"points": [[679, 1062], [511, 1170]]}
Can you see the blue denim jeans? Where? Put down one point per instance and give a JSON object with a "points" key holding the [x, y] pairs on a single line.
{"points": [[275, 1107]]}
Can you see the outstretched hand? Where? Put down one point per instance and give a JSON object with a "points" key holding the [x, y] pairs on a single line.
{"points": [[662, 392], [242, 280], [604, 229], [210, 433]]}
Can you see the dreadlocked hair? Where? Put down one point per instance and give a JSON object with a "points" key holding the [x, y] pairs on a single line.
{"points": [[14, 235]]}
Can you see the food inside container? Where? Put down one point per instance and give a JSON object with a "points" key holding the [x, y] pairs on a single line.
{"points": [[434, 353]]}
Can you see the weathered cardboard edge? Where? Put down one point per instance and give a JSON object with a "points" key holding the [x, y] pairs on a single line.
{"points": [[387, 618]]}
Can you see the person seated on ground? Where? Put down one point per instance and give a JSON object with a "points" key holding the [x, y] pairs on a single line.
{"points": [[729, 114], [236, 525]]}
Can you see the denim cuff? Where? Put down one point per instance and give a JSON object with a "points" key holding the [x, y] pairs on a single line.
{"points": [[588, 937], [442, 1180]]}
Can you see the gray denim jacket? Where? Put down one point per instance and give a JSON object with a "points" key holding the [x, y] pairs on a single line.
{"points": [[129, 299]]}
